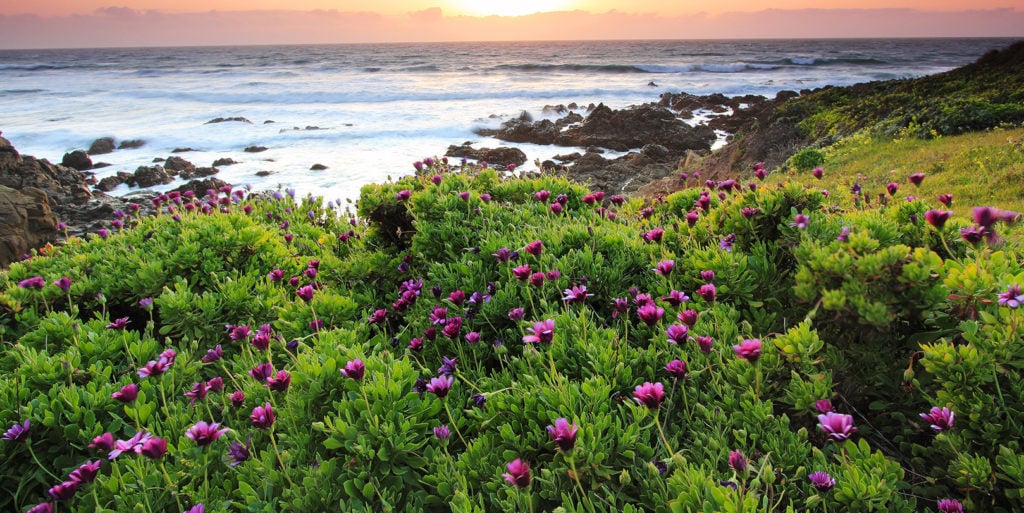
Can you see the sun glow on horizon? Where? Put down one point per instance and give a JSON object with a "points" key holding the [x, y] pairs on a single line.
{"points": [[514, 8]]}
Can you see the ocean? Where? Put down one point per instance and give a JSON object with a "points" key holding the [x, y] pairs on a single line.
{"points": [[367, 112]]}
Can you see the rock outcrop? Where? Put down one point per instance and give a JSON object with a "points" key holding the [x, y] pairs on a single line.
{"points": [[499, 156], [27, 221]]}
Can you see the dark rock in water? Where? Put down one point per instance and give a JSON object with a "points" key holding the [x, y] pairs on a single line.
{"points": [[100, 165], [238, 119], [101, 146], [157, 160], [652, 84], [224, 162], [317, 167], [177, 164], [132, 143], [199, 187], [198, 172], [269, 122], [264, 173], [27, 221], [572, 157], [148, 176], [77, 159], [554, 109], [182, 150], [595, 149], [255, 149], [499, 156], [109, 183]]}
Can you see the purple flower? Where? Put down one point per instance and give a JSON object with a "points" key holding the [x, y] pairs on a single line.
{"points": [[43, 507], [440, 386], [553, 275], [1012, 298], [705, 343], [577, 294], [677, 333], [688, 317], [941, 419], [542, 332], [707, 291], [516, 314], [198, 392], [377, 316], [133, 444], [280, 381], [800, 221], [104, 442], [654, 235], [650, 314], [276, 275], [64, 283], [204, 434], [542, 195], [262, 416], [119, 324], [198, 508], [837, 426], [749, 349], [692, 217], [972, 235], [216, 384], [945, 199], [237, 398], [457, 297], [649, 394], [821, 481], [677, 368], [707, 275], [950, 506], [238, 453], [452, 326], [823, 406], [620, 305], [448, 366], [535, 248], [403, 195], [844, 234], [818, 172], [737, 461], [126, 394], [891, 188], [154, 448], [675, 298], [354, 370], [240, 332], [442, 432], [556, 208], [262, 371], [537, 279], [305, 292], [64, 491], [986, 216], [916, 178], [563, 434], [35, 282], [502, 255], [727, 242], [937, 218], [518, 473], [17, 432], [665, 267], [146, 303]]}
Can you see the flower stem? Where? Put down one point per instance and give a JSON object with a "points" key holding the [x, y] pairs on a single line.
{"points": [[661, 432], [277, 452], [454, 425], [576, 477], [36, 459], [170, 484]]}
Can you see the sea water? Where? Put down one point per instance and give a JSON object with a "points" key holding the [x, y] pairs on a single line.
{"points": [[372, 110]]}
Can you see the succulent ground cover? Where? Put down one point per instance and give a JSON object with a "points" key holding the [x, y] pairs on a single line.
{"points": [[477, 342]]}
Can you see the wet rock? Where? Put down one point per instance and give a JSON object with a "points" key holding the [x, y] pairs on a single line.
{"points": [[183, 150], [237, 119], [317, 167], [27, 221], [255, 149], [262, 174], [198, 172], [224, 162], [131, 143], [177, 164], [109, 183], [100, 165], [77, 159], [148, 176], [101, 146], [199, 187], [499, 156]]}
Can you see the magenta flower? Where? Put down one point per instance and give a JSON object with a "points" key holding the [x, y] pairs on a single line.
{"points": [[688, 317], [821, 481], [42, 507], [17, 432], [823, 406], [916, 178], [537, 279], [518, 473], [354, 370], [440, 386], [457, 297], [198, 392], [416, 344], [442, 432], [737, 461], [707, 292], [891, 188], [126, 394], [204, 434], [677, 333], [542, 332], [262, 371], [238, 453], [280, 381], [1012, 298], [677, 368], [577, 294], [535, 248], [650, 313], [556, 208], [654, 235], [563, 434], [305, 292], [553, 275], [837, 426], [262, 416], [198, 508], [542, 195], [133, 444], [276, 275], [749, 349], [675, 298], [63, 283], [237, 398], [104, 442], [950, 506], [985, 216], [64, 491], [516, 314], [522, 272], [665, 267], [937, 218], [649, 394], [240, 332], [705, 343], [35, 282], [403, 195], [727, 242], [800, 221], [377, 316], [502, 255], [216, 384], [945, 199], [707, 275], [941, 419], [154, 448], [119, 324]]}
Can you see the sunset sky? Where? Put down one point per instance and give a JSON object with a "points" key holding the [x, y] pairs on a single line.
{"points": [[77, 23]]}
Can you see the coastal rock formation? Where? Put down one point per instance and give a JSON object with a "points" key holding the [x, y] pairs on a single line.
{"points": [[238, 119], [625, 174], [255, 149], [226, 161], [499, 156], [27, 221], [77, 159], [132, 143], [177, 164], [101, 146], [64, 185], [199, 187], [148, 176]]}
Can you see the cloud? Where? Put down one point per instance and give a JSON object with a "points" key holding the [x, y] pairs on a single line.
{"points": [[122, 26]]}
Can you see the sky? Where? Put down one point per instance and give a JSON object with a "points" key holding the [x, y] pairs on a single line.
{"points": [[99, 23]]}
